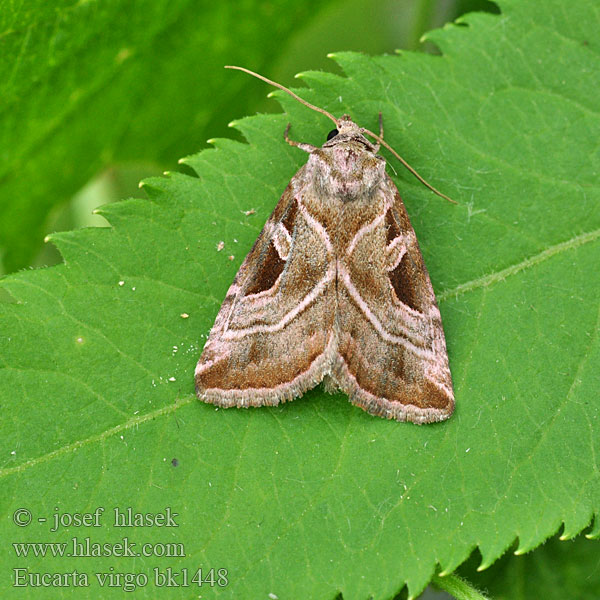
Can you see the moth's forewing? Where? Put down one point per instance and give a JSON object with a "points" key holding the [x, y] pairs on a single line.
{"points": [[393, 359], [272, 339]]}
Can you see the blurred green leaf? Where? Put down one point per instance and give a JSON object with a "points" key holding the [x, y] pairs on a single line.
{"points": [[316, 497], [555, 570], [88, 87], [87, 84]]}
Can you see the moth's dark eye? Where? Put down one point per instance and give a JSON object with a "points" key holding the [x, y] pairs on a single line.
{"points": [[332, 134]]}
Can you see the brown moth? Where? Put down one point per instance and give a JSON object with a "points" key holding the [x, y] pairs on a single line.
{"points": [[335, 290]]}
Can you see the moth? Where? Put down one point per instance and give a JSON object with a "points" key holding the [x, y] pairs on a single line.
{"points": [[334, 290]]}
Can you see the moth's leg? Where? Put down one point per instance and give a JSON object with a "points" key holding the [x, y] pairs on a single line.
{"points": [[378, 145], [306, 147]]}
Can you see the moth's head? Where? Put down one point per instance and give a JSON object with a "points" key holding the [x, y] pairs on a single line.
{"points": [[346, 131]]}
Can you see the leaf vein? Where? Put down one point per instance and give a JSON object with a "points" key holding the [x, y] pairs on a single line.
{"points": [[490, 279]]}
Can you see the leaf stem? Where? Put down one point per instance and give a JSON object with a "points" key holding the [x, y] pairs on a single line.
{"points": [[460, 588]]}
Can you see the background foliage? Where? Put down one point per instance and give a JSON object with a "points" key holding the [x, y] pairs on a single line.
{"points": [[124, 89], [97, 361]]}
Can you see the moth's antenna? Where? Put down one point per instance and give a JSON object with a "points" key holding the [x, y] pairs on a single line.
{"points": [[281, 87], [327, 114], [384, 143]]}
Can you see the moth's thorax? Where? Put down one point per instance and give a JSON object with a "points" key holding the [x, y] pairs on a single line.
{"points": [[342, 217], [346, 169]]}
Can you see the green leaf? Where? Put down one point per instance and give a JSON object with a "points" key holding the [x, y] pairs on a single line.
{"points": [[315, 497], [88, 84], [556, 570]]}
